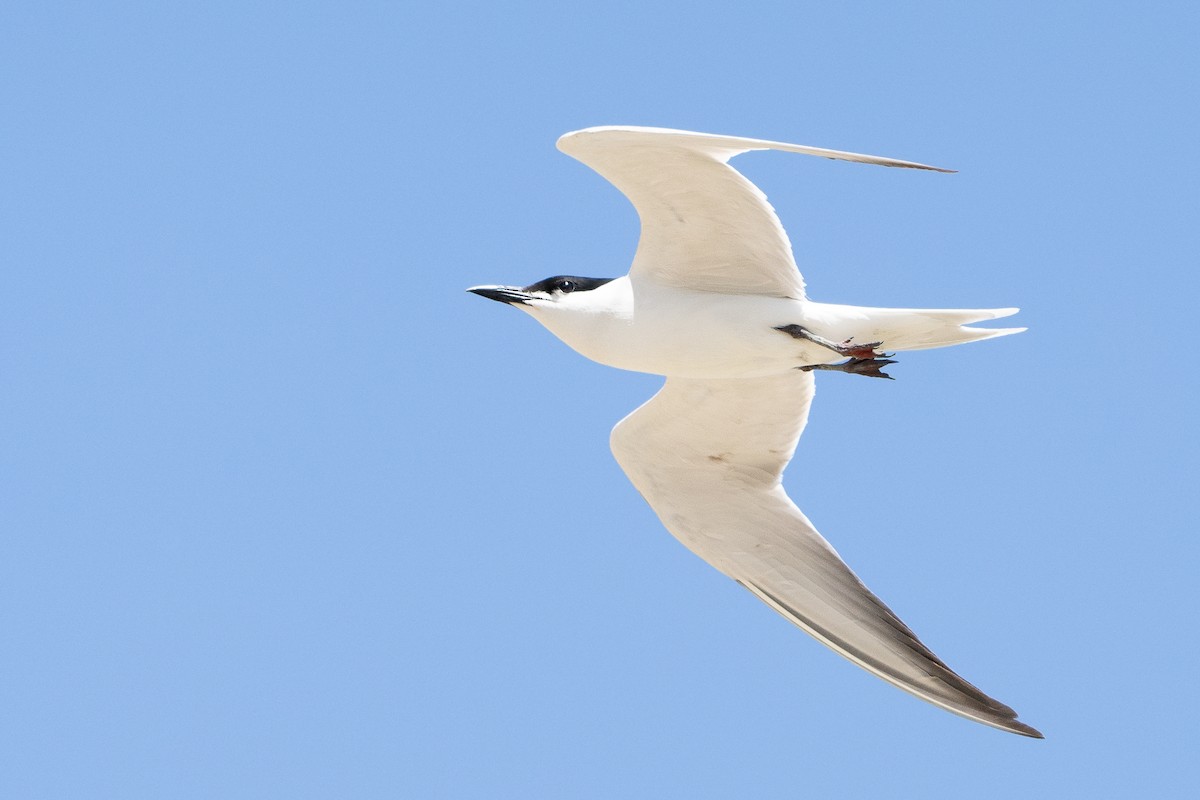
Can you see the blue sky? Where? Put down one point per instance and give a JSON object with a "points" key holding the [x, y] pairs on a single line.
{"points": [[286, 513]]}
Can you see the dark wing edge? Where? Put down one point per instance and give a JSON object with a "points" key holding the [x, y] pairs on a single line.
{"points": [[974, 704]]}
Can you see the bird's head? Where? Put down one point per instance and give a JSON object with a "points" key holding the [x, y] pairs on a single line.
{"points": [[576, 310], [565, 291]]}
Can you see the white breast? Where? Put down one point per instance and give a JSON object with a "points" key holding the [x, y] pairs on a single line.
{"points": [[645, 327]]}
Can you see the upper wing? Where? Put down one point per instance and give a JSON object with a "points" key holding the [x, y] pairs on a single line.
{"points": [[708, 456], [704, 226]]}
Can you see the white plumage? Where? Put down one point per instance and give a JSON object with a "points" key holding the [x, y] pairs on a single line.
{"points": [[712, 285]]}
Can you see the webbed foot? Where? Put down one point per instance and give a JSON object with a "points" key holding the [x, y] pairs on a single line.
{"points": [[864, 358], [871, 367], [860, 351]]}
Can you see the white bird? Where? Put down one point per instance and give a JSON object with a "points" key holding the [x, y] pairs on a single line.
{"points": [[715, 303]]}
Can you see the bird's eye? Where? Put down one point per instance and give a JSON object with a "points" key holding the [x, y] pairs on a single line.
{"points": [[566, 286]]}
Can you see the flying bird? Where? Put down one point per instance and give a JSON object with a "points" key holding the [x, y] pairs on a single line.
{"points": [[715, 303]]}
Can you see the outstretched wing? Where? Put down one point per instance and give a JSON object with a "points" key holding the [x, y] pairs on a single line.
{"points": [[704, 225], [708, 456]]}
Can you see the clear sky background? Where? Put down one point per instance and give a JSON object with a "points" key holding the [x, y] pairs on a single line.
{"points": [[286, 513]]}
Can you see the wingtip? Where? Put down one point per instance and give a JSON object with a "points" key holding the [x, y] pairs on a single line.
{"points": [[916, 165], [1018, 727]]}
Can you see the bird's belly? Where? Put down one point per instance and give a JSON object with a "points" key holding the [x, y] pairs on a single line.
{"points": [[711, 340]]}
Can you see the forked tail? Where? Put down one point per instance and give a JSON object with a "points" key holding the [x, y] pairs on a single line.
{"points": [[907, 328]]}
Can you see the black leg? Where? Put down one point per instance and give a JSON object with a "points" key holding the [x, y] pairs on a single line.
{"points": [[862, 351], [864, 359], [871, 367]]}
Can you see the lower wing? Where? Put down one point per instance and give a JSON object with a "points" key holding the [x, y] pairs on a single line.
{"points": [[708, 456]]}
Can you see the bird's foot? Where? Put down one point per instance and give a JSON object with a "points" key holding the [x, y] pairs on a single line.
{"points": [[871, 367], [862, 352], [864, 359]]}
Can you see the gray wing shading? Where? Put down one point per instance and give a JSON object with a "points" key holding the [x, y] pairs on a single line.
{"points": [[708, 456], [704, 225]]}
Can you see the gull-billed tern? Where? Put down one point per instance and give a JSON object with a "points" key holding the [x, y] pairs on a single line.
{"points": [[714, 302]]}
